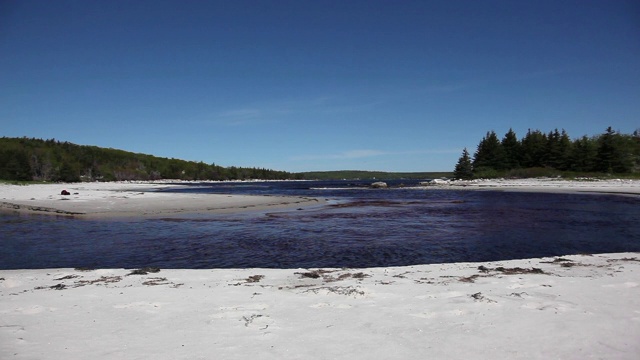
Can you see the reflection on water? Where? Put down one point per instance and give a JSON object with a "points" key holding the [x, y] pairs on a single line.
{"points": [[365, 228]]}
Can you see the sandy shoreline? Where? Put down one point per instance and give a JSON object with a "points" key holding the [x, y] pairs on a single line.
{"points": [[112, 200], [614, 186], [573, 307], [124, 199]]}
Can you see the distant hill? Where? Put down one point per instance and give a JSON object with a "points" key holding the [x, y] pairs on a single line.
{"points": [[369, 175], [26, 159]]}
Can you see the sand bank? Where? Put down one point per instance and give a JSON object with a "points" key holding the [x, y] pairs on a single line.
{"points": [[132, 199], [574, 307], [616, 186], [139, 199]]}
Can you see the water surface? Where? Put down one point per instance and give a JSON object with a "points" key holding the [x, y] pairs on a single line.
{"points": [[360, 227]]}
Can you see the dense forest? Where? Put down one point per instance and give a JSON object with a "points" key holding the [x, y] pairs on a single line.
{"points": [[539, 153], [25, 159]]}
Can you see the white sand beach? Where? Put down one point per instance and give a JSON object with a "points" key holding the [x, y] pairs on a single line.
{"points": [[119, 199], [569, 307], [613, 186], [573, 307]]}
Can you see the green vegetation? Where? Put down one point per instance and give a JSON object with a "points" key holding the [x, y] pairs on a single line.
{"points": [[369, 175], [24, 159], [464, 167], [552, 154]]}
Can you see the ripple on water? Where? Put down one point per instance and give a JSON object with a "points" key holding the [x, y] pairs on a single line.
{"points": [[361, 228]]}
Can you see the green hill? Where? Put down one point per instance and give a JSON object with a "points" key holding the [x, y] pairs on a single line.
{"points": [[25, 159]]}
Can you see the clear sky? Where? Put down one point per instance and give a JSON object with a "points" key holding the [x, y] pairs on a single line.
{"points": [[316, 85]]}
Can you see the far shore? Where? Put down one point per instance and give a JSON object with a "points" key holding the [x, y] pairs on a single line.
{"points": [[548, 185], [142, 199]]}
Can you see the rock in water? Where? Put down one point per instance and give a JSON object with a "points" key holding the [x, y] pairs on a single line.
{"points": [[434, 182], [379, 185]]}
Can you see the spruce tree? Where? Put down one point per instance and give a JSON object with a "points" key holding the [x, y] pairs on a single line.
{"points": [[464, 168], [564, 150], [490, 153], [584, 153], [512, 150], [552, 149], [534, 149], [606, 151], [616, 152]]}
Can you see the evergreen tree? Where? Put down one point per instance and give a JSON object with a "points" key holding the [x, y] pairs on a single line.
{"points": [[552, 149], [14, 165], [558, 150], [464, 168], [68, 172], [606, 151], [615, 152], [512, 150], [489, 153], [584, 154], [564, 151], [51, 160], [534, 146]]}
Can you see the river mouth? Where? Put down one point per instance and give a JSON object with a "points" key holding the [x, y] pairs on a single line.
{"points": [[354, 229]]}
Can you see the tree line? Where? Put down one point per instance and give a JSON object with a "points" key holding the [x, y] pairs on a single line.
{"points": [[30, 159], [537, 152]]}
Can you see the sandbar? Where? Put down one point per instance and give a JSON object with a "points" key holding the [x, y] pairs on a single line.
{"points": [[127, 199]]}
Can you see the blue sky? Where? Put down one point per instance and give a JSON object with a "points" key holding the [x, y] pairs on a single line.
{"points": [[315, 85]]}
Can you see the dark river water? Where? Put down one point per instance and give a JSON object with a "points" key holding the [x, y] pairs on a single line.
{"points": [[359, 227]]}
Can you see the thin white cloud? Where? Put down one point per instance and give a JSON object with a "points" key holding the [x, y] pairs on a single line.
{"points": [[275, 111], [356, 154], [240, 116]]}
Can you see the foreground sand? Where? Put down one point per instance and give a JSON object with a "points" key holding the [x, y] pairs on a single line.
{"points": [[119, 199], [574, 307]]}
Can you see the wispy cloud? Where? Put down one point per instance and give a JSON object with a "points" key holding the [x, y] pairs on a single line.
{"points": [[266, 112], [240, 116], [277, 110], [355, 154]]}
